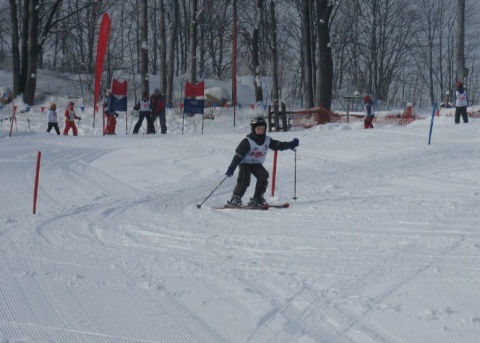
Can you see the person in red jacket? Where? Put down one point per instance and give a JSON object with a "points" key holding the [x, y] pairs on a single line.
{"points": [[110, 115], [369, 115], [158, 104], [70, 117]]}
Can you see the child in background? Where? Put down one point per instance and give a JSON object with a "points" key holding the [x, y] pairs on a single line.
{"points": [[52, 118], [369, 115], [70, 117]]}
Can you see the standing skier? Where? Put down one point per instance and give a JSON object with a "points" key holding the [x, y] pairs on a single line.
{"points": [[109, 113], [70, 117], [144, 108], [369, 115], [52, 118], [158, 104], [461, 103], [249, 156]]}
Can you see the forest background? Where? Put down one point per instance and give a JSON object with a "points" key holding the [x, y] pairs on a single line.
{"points": [[397, 50]]}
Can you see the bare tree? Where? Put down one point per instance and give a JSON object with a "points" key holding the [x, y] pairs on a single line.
{"points": [[307, 53], [273, 49], [15, 48], [325, 59], [460, 40], [255, 51], [144, 46], [172, 38], [192, 54], [163, 45]]}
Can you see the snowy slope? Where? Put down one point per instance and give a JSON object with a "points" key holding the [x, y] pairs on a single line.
{"points": [[382, 244]]}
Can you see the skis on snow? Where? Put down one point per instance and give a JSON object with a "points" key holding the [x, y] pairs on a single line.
{"points": [[249, 207]]}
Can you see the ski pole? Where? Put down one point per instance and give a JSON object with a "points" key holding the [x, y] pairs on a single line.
{"points": [[200, 205], [295, 178]]}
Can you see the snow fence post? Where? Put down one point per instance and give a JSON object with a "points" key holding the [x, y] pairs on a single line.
{"points": [[431, 122]]}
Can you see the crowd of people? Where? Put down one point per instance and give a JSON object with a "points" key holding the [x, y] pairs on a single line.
{"points": [[150, 108]]}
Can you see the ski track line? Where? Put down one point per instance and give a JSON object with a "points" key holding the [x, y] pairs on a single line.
{"points": [[359, 318]]}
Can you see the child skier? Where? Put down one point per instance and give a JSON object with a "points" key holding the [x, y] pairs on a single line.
{"points": [[70, 117], [144, 108], [461, 103], [369, 115], [110, 115], [52, 118], [249, 156]]}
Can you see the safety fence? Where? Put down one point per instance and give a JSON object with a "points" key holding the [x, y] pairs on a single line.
{"points": [[317, 116]]}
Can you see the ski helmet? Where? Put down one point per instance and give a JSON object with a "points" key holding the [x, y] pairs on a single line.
{"points": [[367, 99], [53, 105], [459, 84], [256, 122]]}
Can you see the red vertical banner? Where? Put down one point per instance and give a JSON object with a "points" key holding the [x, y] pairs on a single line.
{"points": [[119, 88], [103, 35]]}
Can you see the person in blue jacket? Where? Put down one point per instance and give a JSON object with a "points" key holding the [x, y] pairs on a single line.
{"points": [[249, 157]]}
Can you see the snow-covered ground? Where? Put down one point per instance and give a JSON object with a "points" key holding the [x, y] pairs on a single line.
{"points": [[382, 244]]}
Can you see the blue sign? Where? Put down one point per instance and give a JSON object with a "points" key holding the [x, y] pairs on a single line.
{"points": [[119, 104], [193, 106]]}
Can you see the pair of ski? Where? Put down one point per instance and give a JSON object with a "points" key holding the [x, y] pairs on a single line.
{"points": [[250, 207]]}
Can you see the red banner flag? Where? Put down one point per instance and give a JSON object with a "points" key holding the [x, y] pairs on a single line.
{"points": [[103, 35], [193, 90], [119, 88]]}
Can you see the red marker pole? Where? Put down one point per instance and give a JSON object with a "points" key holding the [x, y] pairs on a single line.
{"points": [[35, 190], [274, 172], [14, 118]]}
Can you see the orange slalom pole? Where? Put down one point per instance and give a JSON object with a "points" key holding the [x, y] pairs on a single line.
{"points": [[274, 172], [35, 189]]}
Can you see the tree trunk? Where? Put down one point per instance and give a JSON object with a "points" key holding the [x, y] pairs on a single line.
{"points": [[171, 51], [307, 53], [273, 49], [325, 60], [163, 46], [192, 53], [33, 52], [144, 46], [255, 52], [24, 47], [15, 48], [460, 40]]}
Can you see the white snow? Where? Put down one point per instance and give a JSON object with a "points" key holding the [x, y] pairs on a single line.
{"points": [[381, 245]]}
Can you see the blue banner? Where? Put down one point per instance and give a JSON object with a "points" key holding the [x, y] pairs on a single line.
{"points": [[118, 104], [193, 106]]}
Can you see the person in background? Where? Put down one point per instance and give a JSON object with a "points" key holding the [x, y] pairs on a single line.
{"points": [[70, 117], [144, 108], [158, 103], [52, 118], [110, 115], [249, 156], [461, 103], [369, 115]]}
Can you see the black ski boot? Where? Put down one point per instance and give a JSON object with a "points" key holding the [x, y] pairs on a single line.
{"points": [[257, 200], [235, 201]]}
